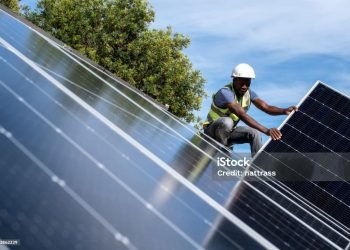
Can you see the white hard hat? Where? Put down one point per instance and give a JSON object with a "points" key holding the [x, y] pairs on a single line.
{"points": [[243, 70]]}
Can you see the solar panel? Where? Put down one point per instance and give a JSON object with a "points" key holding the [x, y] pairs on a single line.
{"points": [[89, 163], [312, 163]]}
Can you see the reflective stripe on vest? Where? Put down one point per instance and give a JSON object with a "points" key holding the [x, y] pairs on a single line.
{"points": [[215, 112]]}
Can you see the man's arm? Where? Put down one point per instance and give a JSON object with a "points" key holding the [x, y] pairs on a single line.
{"points": [[272, 110], [247, 119]]}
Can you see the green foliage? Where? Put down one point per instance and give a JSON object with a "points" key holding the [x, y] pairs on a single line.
{"points": [[115, 34], [161, 70], [11, 4]]}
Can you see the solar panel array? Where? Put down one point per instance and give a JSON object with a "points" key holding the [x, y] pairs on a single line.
{"points": [[87, 162], [317, 137]]}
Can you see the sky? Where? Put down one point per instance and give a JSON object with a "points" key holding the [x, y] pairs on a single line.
{"points": [[290, 44]]}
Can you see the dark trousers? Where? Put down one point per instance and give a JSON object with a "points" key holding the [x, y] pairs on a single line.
{"points": [[222, 130]]}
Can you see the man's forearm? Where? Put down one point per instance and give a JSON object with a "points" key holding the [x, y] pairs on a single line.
{"points": [[240, 112], [272, 110], [252, 123]]}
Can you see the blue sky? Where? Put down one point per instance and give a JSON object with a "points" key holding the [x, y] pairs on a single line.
{"points": [[291, 44]]}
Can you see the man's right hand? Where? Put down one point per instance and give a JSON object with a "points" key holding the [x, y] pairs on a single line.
{"points": [[274, 133]]}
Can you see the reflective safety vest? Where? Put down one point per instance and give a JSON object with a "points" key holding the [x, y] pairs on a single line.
{"points": [[215, 112]]}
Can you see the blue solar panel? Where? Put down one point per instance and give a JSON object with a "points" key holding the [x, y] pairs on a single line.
{"points": [[90, 163], [312, 163], [89, 160]]}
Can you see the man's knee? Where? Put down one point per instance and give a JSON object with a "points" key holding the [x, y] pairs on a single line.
{"points": [[226, 123], [254, 134]]}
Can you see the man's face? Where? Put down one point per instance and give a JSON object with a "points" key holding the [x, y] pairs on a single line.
{"points": [[241, 85]]}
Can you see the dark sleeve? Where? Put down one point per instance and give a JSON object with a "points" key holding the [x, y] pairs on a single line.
{"points": [[223, 96], [253, 95]]}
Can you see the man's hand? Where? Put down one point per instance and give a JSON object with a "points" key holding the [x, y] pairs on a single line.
{"points": [[274, 133], [289, 110]]}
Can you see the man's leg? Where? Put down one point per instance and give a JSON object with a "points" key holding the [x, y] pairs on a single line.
{"points": [[246, 135], [220, 130]]}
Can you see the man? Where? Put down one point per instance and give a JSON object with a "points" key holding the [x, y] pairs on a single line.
{"points": [[230, 105]]}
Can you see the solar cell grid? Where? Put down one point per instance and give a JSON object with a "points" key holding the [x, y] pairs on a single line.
{"points": [[318, 130], [292, 232]]}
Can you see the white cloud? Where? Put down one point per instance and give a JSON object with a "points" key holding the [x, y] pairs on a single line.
{"points": [[263, 33], [287, 28]]}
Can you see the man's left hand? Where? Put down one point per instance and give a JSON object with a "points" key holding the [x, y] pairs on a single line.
{"points": [[289, 110]]}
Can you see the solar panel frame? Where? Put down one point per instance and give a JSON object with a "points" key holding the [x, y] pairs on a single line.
{"points": [[281, 186]]}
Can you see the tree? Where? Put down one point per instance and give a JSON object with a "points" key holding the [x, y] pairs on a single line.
{"points": [[160, 69], [11, 4], [116, 35]]}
